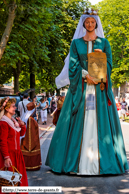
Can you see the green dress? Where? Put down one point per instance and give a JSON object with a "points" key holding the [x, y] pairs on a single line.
{"points": [[65, 148]]}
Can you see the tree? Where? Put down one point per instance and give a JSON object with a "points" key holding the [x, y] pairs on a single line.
{"points": [[114, 17], [40, 41], [11, 7], [28, 37], [63, 24]]}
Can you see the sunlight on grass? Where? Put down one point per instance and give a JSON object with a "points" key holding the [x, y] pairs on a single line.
{"points": [[124, 190], [126, 119]]}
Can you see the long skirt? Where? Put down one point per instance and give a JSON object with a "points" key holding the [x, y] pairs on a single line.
{"points": [[17, 161], [90, 140], [43, 115]]}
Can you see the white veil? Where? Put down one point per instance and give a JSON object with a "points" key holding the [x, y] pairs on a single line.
{"points": [[63, 78]]}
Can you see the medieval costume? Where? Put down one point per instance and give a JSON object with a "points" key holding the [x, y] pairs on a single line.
{"points": [[57, 111], [10, 146], [88, 138], [30, 143]]}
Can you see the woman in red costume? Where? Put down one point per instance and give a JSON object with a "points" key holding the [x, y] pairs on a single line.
{"points": [[10, 132]]}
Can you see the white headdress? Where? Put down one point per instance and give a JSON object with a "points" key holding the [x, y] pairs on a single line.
{"points": [[63, 78]]}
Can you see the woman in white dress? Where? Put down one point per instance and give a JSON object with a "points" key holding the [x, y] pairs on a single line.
{"points": [[44, 107]]}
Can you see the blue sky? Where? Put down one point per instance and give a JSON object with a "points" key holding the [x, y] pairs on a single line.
{"points": [[93, 2]]}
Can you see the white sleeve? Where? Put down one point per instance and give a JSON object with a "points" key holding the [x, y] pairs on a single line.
{"points": [[84, 73], [18, 106]]}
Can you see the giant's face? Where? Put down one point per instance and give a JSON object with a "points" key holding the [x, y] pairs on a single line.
{"points": [[90, 24]]}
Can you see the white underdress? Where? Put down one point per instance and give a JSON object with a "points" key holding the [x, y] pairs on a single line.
{"points": [[89, 160]]}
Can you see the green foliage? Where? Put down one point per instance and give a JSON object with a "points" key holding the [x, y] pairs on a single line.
{"points": [[114, 17], [40, 39]]}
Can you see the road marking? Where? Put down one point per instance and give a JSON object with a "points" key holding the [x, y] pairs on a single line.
{"points": [[45, 136], [71, 189], [124, 123]]}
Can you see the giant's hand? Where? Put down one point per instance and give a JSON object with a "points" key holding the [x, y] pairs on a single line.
{"points": [[8, 162], [90, 80], [98, 50]]}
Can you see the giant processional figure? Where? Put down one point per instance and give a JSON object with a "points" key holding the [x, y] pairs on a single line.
{"points": [[88, 138]]}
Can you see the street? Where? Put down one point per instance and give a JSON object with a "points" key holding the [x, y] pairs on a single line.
{"points": [[73, 184]]}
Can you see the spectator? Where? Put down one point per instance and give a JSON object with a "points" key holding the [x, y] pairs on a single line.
{"points": [[49, 103], [22, 105], [44, 107], [46, 100], [123, 108], [49, 100], [116, 99], [56, 98], [48, 108], [35, 116], [53, 105], [127, 100], [118, 106]]}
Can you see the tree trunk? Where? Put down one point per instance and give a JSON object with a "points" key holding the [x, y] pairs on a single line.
{"points": [[32, 84], [8, 28], [123, 89], [16, 73], [115, 92], [58, 92], [47, 94]]}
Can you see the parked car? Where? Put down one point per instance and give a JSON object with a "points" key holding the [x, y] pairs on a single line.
{"points": [[18, 98]]}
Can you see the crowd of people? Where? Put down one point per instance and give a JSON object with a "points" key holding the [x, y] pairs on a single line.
{"points": [[44, 106], [122, 107]]}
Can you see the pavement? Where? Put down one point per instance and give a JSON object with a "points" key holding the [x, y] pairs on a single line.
{"points": [[44, 128], [73, 184]]}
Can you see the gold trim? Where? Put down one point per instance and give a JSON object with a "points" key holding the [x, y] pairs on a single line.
{"points": [[29, 133], [33, 167], [97, 129], [87, 48], [30, 151]]}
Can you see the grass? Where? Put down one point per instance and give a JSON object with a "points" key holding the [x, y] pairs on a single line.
{"points": [[126, 119]]}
